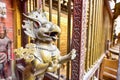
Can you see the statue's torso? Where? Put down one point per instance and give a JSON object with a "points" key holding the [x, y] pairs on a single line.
{"points": [[47, 53], [3, 44]]}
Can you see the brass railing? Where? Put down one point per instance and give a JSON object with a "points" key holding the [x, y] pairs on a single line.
{"points": [[94, 33], [97, 35]]}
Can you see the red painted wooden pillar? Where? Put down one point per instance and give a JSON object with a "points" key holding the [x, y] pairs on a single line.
{"points": [[79, 38]]}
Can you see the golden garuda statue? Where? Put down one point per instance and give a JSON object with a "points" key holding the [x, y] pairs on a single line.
{"points": [[42, 54]]}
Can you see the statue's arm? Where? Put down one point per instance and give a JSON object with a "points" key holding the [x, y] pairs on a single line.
{"points": [[67, 57], [9, 50]]}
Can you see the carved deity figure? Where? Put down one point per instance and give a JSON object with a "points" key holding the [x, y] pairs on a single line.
{"points": [[5, 53], [42, 54]]}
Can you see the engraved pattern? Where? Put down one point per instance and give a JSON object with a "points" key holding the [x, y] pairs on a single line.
{"points": [[79, 38]]}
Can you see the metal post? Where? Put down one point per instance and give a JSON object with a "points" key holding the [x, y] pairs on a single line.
{"points": [[58, 22], [68, 36], [50, 10], [43, 6]]}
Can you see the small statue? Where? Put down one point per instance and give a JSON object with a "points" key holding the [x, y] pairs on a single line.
{"points": [[5, 53], [43, 54]]}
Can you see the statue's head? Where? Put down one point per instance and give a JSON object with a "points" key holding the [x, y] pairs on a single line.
{"points": [[2, 32], [37, 26]]}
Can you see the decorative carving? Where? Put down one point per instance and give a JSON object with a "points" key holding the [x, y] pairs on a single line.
{"points": [[79, 38], [2, 9]]}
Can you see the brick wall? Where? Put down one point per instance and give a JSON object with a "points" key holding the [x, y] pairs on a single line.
{"points": [[9, 19]]}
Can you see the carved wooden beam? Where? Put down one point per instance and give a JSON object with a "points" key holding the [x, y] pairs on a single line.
{"points": [[79, 38]]}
